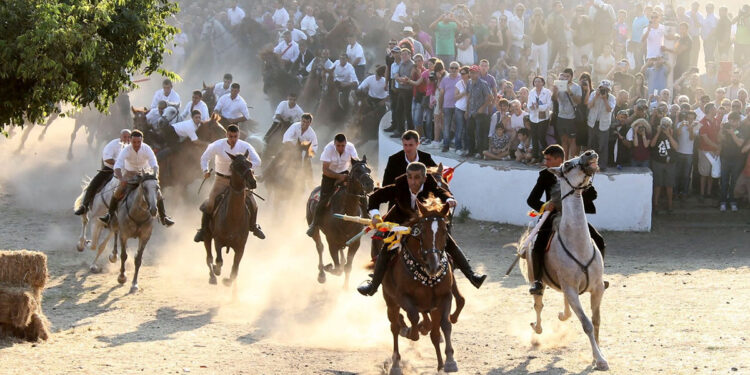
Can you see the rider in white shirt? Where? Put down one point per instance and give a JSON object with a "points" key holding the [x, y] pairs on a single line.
{"points": [[288, 110], [345, 78], [223, 87], [218, 152], [287, 49], [154, 114], [133, 159], [280, 15], [109, 155], [297, 34], [197, 104], [356, 55], [302, 131], [375, 86], [308, 23], [232, 108], [235, 14], [337, 159], [166, 94]]}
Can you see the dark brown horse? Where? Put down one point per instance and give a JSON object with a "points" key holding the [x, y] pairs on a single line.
{"points": [[335, 39], [209, 97], [230, 221], [347, 200], [283, 172], [278, 82], [421, 282]]}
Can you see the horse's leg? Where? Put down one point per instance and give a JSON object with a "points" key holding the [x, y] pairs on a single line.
{"points": [[95, 245], [73, 139], [113, 256], [394, 318], [319, 246], [571, 294], [460, 302], [218, 246], [82, 239], [538, 305], [447, 327], [349, 260], [95, 235], [333, 250], [142, 241], [596, 301], [412, 332], [238, 253], [123, 257], [209, 259], [437, 316], [565, 314], [426, 324]]}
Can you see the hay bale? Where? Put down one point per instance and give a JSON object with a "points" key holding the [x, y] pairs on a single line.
{"points": [[37, 329], [23, 267], [17, 304]]}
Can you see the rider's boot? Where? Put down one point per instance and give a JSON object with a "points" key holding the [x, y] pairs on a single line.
{"points": [[537, 259], [163, 218], [253, 210], [319, 209], [370, 287], [111, 213], [459, 259], [204, 227], [257, 232]]}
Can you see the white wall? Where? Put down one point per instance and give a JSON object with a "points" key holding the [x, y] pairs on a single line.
{"points": [[497, 191]]}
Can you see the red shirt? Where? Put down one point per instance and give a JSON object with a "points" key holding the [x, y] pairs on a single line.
{"points": [[711, 129], [423, 87]]}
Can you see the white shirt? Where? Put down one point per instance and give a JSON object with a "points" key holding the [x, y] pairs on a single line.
{"points": [[159, 96], [218, 151], [232, 108], [399, 12], [375, 88], [294, 134], [355, 51], [235, 15], [339, 163], [111, 151], [699, 114], [186, 129], [153, 116], [655, 41], [328, 65], [289, 114], [541, 113], [297, 35], [135, 161], [288, 52], [309, 25], [344, 74], [201, 106], [599, 112], [460, 89], [516, 122], [515, 26], [219, 90], [280, 17]]}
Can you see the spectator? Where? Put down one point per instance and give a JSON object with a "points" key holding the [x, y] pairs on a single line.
{"points": [[694, 21], [709, 166], [601, 104], [742, 36], [516, 28], [640, 22], [639, 90], [539, 47], [723, 34], [708, 34], [566, 113], [656, 72], [619, 153], [638, 139], [524, 150], [731, 141], [604, 63], [447, 102], [539, 104], [582, 129], [461, 116], [687, 131], [477, 115], [465, 51], [580, 28], [663, 146], [404, 91], [499, 145]]}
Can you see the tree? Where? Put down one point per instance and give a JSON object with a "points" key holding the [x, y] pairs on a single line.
{"points": [[80, 52]]}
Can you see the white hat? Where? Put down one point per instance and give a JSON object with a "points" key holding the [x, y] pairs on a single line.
{"points": [[605, 83], [408, 29]]}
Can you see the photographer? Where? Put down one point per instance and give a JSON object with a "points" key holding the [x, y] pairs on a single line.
{"points": [[638, 139], [731, 141], [687, 130], [663, 147], [601, 103]]}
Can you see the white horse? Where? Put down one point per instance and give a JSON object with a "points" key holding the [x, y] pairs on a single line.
{"points": [[573, 265], [98, 208]]}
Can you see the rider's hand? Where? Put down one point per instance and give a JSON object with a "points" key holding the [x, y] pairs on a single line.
{"points": [[341, 177], [376, 220], [549, 206], [207, 175], [452, 203]]}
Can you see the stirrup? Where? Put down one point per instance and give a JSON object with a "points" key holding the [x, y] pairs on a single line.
{"points": [[257, 232], [166, 221]]}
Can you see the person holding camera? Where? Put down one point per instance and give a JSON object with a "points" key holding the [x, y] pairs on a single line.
{"points": [[539, 104], [638, 139], [601, 103], [663, 148], [687, 130], [566, 114], [731, 141]]}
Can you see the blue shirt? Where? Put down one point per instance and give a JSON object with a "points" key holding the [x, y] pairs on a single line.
{"points": [[394, 73], [639, 24]]}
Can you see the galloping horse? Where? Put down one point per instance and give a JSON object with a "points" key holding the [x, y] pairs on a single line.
{"points": [[335, 39], [209, 97], [573, 265], [277, 81], [283, 172], [346, 200], [134, 219], [100, 126], [421, 282], [230, 221], [99, 207]]}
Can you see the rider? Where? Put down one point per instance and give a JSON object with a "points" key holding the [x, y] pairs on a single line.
{"points": [[196, 104], [397, 162], [154, 114], [109, 155], [414, 185], [345, 78], [218, 150], [376, 88], [302, 131], [337, 159], [223, 87], [548, 185], [288, 111], [179, 132], [232, 108], [288, 50], [166, 94], [133, 159]]}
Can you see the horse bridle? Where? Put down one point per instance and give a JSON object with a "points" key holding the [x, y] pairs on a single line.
{"points": [[416, 232], [350, 179], [244, 174], [580, 187], [141, 180], [417, 268]]}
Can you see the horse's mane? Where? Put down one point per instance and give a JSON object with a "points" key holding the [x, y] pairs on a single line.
{"points": [[433, 204]]}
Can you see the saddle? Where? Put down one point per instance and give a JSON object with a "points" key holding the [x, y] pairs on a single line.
{"points": [[217, 202]]}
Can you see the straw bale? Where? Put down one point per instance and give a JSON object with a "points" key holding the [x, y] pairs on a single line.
{"points": [[23, 267], [16, 305]]}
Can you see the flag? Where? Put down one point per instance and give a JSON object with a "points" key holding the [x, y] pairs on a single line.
{"points": [[448, 174]]}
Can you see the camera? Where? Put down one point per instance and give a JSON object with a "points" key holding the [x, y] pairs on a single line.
{"points": [[603, 91], [432, 77]]}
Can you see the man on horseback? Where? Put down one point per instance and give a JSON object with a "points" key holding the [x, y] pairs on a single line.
{"points": [[302, 131], [220, 151], [288, 50], [345, 79], [223, 87], [196, 104], [337, 159], [287, 112], [177, 133], [232, 108], [414, 185], [109, 156], [547, 184], [166, 94], [133, 159], [154, 115]]}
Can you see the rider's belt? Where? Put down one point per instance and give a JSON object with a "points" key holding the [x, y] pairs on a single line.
{"points": [[222, 175]]}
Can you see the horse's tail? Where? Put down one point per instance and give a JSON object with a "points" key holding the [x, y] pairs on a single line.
{"points": [[522, 252], [79, 200]]}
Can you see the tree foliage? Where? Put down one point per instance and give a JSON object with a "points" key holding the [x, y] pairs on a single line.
{"points": [[80, 52]]}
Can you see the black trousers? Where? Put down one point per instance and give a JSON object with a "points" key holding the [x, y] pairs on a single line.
{"points": [[403, 110], [476, 133], [539, 137], [102, 178]]}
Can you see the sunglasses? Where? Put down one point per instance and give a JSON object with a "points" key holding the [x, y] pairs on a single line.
{"points": [[453, 68]]}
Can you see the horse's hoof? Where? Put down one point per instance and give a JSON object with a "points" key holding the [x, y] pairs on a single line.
{"points": [[601, 365], [134, 289], [217, 269], [450, 366], [404, 332], [226, 281], [212, 280], [454, 319], [322, 278], [395, 371], [536, 328], [562, 317], [80, 247], [122, 278], [112, 258], [95, 269]]}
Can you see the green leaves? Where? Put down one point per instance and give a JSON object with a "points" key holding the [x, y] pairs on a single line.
{"points": [[79, 52]]}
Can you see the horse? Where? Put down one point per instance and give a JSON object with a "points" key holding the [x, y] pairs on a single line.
{"points": [[98, 125], [283, 171], [278, 82], [208, 96], [273, 137], [230, 220], [421, 282], [314, 87], [134, 219], [348, 201], [99, 207], [573, 264], [335, 39], [365, 119]]}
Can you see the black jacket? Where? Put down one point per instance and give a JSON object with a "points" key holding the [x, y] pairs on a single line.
{"points": [[397, 165], [303, 60], [545, 184], [398, 193]]}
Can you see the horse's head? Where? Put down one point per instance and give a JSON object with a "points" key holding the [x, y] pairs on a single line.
{"points": [[208, 96], [241, 167], [577, 172], [430, 227], [139, 118], [210, 130], [360, 179], [149, 184], [437, 174]]}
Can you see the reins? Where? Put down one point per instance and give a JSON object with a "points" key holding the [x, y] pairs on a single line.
{"points": [[415, 268]]}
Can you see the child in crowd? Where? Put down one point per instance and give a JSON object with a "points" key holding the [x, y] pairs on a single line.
{"points": [[499, 145], [523, 151]]}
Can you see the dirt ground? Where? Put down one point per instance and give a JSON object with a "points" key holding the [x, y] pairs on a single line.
{"points": [[678, 301]]}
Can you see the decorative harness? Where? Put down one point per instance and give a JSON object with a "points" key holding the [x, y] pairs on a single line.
{"points": [[138, 223], [414, 267]]}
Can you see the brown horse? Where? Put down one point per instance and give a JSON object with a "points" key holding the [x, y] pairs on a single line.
{"points": [[230, 221], [421, 282], [347, 200], [284, 171], [335, 39], [278, 82], [209, 97]]}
